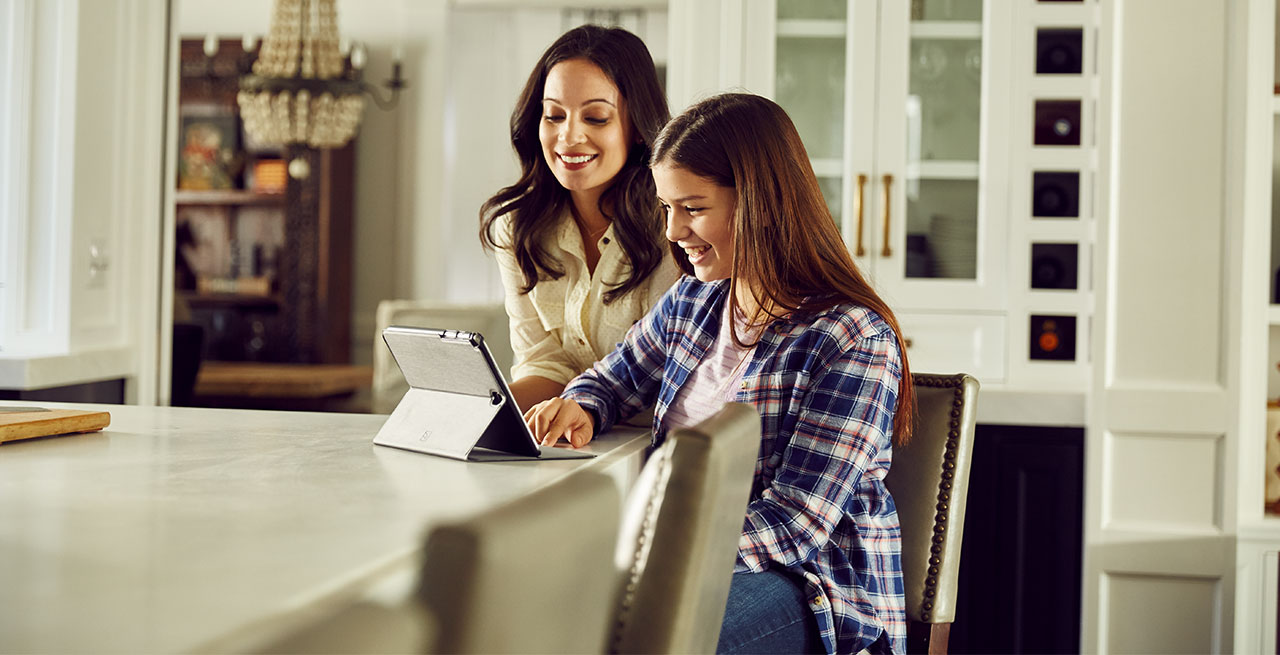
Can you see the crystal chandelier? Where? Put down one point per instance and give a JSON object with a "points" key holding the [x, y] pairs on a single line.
{"points": [[303, 90]]}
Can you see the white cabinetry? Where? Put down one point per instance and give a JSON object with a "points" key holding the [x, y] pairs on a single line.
{"points": [[914, 115], [1258, 545], [1179, 556], [896, 103]]}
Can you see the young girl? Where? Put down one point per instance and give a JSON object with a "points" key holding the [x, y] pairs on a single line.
{"points": [[578, 237], [776, 315]]}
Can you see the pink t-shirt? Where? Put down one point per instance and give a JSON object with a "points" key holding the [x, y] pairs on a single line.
{"points": [[715, 380]]}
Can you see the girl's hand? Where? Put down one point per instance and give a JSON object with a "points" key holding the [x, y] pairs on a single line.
{"points": [[560, 417]]}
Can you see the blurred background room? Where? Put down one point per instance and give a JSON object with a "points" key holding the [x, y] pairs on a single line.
{"points": [[1070, 200]]}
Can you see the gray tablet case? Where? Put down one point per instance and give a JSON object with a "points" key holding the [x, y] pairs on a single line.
{"points": [[458, 404]]}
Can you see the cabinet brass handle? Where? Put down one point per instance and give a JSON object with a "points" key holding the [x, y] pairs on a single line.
{"points": [[884, 246], [860, 250]]}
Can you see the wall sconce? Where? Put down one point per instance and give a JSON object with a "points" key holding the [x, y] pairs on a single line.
{"points": [[302, 90]]}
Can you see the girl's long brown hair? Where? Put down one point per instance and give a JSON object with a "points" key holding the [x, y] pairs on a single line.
{"points": [[785, 240], [536, 201]]}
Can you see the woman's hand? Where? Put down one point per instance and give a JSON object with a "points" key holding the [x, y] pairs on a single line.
{"points": [[560, 417]]}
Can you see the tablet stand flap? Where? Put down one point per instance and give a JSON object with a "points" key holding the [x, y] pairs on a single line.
{"points": [[507, 432], [437, 422]]}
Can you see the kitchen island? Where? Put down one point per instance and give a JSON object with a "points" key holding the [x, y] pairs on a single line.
{"points": [[185, 529]]}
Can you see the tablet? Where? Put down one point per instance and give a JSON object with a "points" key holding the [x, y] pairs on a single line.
{"points": [[458, 404]]}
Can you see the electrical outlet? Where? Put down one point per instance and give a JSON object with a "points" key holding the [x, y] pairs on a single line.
{"points": [[98, 263]]}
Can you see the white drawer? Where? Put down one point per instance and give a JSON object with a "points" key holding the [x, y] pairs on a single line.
{"points": [[956, 343]]}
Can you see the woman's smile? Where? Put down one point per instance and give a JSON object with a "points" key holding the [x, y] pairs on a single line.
{"points": [[574, 161]]}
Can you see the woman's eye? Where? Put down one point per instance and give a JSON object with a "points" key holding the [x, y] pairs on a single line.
{"points": [[666, 209], [596, 121], [551, 118], [693, 210]]}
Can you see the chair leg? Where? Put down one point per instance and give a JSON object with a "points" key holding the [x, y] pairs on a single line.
{"points": [[928, 638], [939, 635]]}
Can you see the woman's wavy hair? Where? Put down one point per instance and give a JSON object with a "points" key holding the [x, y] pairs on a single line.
{"points": [[536, 201], [785, 240]]}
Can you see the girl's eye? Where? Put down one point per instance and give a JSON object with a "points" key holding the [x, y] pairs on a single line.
{"points": [[596, 121], [694, 210], [550, 118], [665, 207]]}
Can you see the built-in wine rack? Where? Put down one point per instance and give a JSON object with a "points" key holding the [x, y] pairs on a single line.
{"points": [[1053, 152]]}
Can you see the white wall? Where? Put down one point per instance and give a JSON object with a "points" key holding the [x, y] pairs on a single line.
{"points": [[80, 157]]}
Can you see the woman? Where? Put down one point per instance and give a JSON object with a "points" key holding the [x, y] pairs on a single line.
{"points": [[776, 315], [578, 237]]}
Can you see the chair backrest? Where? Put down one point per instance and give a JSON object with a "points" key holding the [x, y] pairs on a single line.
{"points": [[532, 576], [489, 320], [929, 482], [679, 537]]}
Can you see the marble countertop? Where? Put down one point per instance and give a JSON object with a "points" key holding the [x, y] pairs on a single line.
{"points": [[176, 527], [1006, 406]]}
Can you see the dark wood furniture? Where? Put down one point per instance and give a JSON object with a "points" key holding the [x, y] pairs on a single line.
{"points": [[264, 262], [315, 387], [1020, 578]]}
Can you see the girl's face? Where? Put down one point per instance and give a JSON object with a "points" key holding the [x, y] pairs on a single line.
{"points": [[699, 219], [585, 131]]}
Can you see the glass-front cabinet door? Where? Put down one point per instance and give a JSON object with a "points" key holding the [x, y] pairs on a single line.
{"points": [[903, 107], [822, 72]]}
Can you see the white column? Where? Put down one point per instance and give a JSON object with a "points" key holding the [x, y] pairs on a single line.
{"points": [[717, 46], [1162, 430]]}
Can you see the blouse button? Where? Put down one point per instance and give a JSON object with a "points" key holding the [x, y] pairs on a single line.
{"points": [[744, 384], [606, 241], [582, 342]]}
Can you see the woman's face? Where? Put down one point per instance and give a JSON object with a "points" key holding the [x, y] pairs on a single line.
{"points": [[585, 130], [699, 219]]}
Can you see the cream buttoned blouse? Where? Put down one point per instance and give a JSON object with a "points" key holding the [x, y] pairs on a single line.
{"points": [[562, 327]]}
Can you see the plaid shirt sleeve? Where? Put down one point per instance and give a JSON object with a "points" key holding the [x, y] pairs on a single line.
{"points": [[628, 379]]}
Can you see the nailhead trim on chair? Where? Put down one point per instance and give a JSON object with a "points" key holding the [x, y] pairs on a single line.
{"points": [[944, 489], [633, 574]]}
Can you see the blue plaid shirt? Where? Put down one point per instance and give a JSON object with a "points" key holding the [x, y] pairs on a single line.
{"points": [[826, 387]]}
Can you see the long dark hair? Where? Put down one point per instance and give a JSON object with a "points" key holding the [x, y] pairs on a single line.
{"points": [[537, 200], [785, 240]]}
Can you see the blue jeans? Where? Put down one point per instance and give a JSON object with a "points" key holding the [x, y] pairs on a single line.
{"points": [[768, 613]]}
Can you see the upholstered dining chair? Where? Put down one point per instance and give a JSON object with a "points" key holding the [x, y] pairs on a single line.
{"points": [[489, 320], [679, 536], [535, 575], [929, 481]]}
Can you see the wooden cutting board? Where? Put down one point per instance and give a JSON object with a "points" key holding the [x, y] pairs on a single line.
{"points": [[30, 422]]}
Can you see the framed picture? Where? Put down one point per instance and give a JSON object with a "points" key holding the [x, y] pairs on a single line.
{"points": [[208, 149]]}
